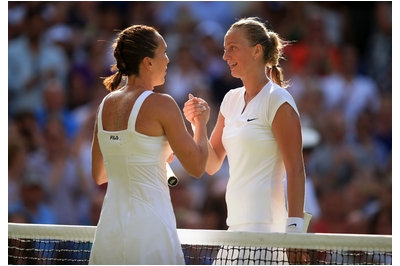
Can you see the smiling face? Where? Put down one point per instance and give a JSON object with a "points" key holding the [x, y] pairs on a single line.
{"points": [[160, 61], [238, 53]]}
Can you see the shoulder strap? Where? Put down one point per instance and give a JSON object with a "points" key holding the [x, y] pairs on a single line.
{"points": [[136, 107], [99, 116]]}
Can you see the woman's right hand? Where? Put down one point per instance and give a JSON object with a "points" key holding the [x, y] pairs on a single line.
{"points": [[196, 110]]}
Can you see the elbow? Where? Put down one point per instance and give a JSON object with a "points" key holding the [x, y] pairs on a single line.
{"points": [[210, 172], [99, 182], [211, 169], [198, 173], [100, 179], [197, 176]]}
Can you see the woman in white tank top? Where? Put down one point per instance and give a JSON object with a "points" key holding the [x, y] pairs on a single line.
{"points": [[136, 132]]}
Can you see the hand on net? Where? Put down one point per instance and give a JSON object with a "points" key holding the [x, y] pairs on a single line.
{"points": [[298, 256]]}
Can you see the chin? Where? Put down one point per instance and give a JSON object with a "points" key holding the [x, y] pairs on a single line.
{"points": [[234, 75], [160, 83]]}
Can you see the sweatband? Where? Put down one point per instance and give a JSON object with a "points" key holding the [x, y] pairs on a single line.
{"points": [[294, 225]]}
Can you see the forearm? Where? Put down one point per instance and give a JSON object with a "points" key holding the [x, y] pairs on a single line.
{"points": [[201, 139], [296, 193], [214, 163]]}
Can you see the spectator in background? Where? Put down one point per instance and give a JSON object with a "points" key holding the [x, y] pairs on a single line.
{"points": [[17, 155], [55, 104], [28, 128], [183, 200], [31, 63], [214, 211], [59, 32], [383, 122], [16, 13], [381, 222], [314, 54], [186, 77], [371, 153], [33, 202], [379, 46], [356, 222], [333, 162], [349, 91], [82, 87], [64, 182], [222, 12], [18, 217], [333, 211], [210, 35], [310, 103]]}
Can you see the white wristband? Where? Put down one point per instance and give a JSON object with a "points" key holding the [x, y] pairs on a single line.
{"points": [[294, 225]]}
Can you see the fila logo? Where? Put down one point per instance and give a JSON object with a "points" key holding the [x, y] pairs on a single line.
{"points": [[112, 137]]}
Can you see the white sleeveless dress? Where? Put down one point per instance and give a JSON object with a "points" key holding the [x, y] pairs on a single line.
{"points": [[137, 223]]}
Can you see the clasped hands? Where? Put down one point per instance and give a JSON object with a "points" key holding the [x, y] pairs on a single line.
{"points": [[196, 108]]}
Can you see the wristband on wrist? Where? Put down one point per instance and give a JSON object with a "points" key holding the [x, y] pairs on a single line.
{"points": [[294, 225]]}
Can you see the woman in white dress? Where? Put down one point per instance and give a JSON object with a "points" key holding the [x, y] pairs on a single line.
{"points": [[259, 131], [136, 132]]}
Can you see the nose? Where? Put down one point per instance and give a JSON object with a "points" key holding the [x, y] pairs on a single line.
{"points": [[224, 56]]}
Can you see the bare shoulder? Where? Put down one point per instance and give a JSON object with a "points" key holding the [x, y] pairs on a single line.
{"points": [[161, 102], [161, 98]]}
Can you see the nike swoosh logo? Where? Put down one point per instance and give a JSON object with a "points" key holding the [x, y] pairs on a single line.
{"points": [[251, 119], [295, 225]]}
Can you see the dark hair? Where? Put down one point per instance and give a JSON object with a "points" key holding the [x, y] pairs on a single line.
{"points": [[256, 32], [131, 46]]}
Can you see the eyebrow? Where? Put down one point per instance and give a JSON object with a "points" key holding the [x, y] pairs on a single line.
{"points": [[230, 43]]}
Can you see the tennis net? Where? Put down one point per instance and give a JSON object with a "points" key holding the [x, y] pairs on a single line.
{"points": [[60, 244]]}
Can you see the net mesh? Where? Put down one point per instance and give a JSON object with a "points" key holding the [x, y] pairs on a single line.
{"points": [[58, 244]]}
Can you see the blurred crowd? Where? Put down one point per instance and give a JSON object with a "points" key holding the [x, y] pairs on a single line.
{"points": [[340, 68]]}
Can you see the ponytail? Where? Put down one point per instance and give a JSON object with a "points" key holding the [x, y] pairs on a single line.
{"points": [[276, 74], [113, 82]]}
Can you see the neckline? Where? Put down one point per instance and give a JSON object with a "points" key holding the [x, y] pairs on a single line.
{"points": [[251, 100]]}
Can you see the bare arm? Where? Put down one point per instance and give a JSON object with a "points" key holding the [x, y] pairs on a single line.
{"points": [[98, 169], [216, 149], [192, 152], [287, 130]]}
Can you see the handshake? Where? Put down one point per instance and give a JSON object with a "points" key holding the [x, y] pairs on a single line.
{"points": [[196, 108]]}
